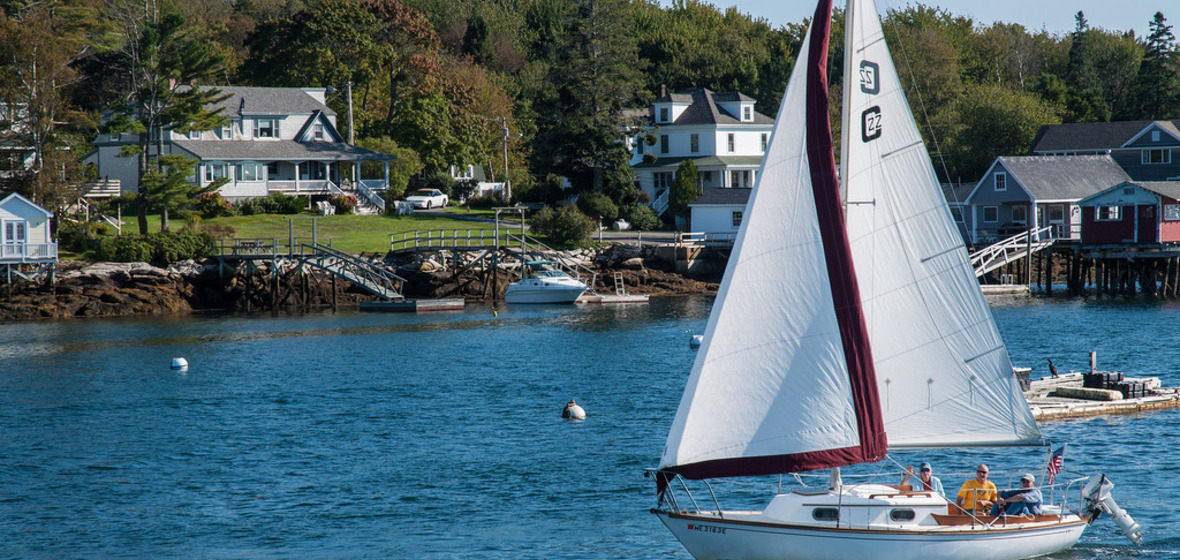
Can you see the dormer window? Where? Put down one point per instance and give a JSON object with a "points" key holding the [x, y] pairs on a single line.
{"points": [[317, 132], [664, 114], [226, 132], [267, 128], [747, 113], [194, 135], [1158, 156]]}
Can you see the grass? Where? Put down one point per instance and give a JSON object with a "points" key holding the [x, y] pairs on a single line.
{"points": [[349, 233]]}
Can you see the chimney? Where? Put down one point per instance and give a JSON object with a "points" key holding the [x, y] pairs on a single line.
{"points": [[663, 91]]}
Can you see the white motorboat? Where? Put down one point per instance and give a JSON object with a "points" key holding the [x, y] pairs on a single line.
{"points": [[879, 339], [545, 286]]}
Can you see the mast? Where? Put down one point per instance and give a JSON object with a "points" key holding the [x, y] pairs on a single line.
{"points": [[846, 93]]}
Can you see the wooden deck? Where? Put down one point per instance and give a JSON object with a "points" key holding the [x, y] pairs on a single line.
{"points": [[1048, 404]]}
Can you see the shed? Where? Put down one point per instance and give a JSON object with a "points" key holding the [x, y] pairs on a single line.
{"points": [[1132, 213], [718, 210], [26, 242]]}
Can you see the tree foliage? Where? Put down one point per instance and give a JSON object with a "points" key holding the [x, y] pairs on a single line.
{"points": [[684, 189]]}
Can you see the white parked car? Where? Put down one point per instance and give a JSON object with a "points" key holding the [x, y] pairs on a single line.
{"points": [[428, 198]]}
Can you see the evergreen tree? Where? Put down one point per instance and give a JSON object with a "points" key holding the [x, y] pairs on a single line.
{"points": [[1158, 83], [684, 189]]}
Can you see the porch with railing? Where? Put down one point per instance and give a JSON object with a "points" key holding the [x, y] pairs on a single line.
{"points": [[13, 253]]}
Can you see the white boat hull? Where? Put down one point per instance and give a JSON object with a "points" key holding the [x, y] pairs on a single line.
{"points": [[532, 290], [708, 537]]}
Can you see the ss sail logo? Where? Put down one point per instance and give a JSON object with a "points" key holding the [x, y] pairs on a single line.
{"points": [[869, 72], [870, 124]]}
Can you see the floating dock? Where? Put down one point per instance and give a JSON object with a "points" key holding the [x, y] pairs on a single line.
{"points": [[1054, 398], [413, 305], [624, 298]]}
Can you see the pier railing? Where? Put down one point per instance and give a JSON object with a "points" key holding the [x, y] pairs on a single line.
{"points": [[1012, 249], [706, 239], [452, 238]]}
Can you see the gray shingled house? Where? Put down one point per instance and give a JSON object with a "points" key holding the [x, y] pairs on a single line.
{"points": [[277, 140], [720, 132], [1019, 192], [1146, 150], [718, 210]]}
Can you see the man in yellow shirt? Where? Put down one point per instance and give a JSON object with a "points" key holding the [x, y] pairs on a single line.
{"points": [[977, 494]]}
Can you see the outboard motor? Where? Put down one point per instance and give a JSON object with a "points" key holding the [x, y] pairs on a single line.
{"points": [[1097, 495]]}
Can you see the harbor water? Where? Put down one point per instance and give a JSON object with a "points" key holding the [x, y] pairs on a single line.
{"points": [[439, 436]]}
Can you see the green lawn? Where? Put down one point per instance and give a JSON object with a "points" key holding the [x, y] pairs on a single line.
{"points": [[349, 233]]}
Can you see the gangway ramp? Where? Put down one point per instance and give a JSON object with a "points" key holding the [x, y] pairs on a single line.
{"points": [[1012, 249]]}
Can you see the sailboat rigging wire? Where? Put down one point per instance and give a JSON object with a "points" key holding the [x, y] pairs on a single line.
{"points": [[922, 104]]}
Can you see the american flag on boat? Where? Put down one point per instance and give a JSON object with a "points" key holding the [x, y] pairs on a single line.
{"points": [[1055, 461]]}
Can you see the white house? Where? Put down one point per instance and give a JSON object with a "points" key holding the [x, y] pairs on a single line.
{"points": [[720, 132], [26, 241], [277, 140], [719, 210]]}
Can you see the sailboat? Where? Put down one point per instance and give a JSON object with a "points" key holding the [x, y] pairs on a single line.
{"points": [[848, 324]]}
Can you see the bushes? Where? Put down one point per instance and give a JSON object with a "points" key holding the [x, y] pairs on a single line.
{"points": [[156, 248], [343, 203], [640, 217], [595, 204], [566, 226], [484, 202], [274, 203], [213, 205]]}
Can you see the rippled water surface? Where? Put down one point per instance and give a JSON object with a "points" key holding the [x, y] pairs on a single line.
{"points": [[353, 435]]}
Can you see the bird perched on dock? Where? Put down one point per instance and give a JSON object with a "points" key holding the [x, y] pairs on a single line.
{"points": [[573, 411], [1052, 368]]}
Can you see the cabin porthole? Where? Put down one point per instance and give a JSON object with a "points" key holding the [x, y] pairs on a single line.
{"points": [[902, 515], [825, 514]]}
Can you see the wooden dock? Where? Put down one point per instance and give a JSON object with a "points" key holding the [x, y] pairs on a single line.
{"points": [[413, 305], [1047, 399], [625, 298]]}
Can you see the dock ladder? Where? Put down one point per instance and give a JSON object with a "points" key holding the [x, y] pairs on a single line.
{"points": [[620, 287]]}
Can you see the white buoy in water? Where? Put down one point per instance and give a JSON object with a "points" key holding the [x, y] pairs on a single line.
{"points": [[180, 364], [573, 411], [695, 341]]}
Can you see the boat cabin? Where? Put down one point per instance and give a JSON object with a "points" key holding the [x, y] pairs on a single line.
{"points": [[1132, 212]]}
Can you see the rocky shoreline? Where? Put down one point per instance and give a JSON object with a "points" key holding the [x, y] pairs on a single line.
{"points": [[105, 289]]}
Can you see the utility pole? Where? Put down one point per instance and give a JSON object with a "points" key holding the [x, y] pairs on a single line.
{"points": [[351, 132], [507, 182]]}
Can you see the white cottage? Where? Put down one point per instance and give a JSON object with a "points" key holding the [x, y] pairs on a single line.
{"points": [[277, 140], [26, 242]]}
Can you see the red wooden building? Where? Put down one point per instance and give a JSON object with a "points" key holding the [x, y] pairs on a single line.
{"points": [[1132, 213]]}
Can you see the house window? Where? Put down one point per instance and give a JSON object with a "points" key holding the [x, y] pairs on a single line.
{"points": [[215, 171], [663, 114], [747, 113], [1172, 212], [267, 128], [661, 180], [317, 132], [1108, 213], [731, 142], [194, 135], [663, 143], [639, 146], [707, 177], [1155, 136], [695, 141], [765, 137], [1158, 156], [739, 179], [991, 214], [250, 172], [957, 214], [1020, 214], [272, 169], [226, 132], [1056, 213], [15, 232], [737, 218], [1001, 181]]}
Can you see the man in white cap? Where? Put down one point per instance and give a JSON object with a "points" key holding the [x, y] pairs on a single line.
{"points": [[926, 482], [1025, 501]]}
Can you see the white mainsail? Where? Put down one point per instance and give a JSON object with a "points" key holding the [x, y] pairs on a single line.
{"points": [[943, 373], [771, 378]]}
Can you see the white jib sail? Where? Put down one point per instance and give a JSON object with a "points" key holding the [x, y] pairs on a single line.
{"points": [[770, 377], [943, 373]]}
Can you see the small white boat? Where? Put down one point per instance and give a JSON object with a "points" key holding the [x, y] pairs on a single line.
{"points": [[545, 286], [880, 340]]}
